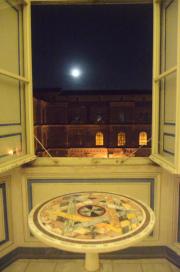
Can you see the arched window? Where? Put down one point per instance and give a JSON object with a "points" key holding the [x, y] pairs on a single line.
{"points": [[121, 138], [143, 138], [99, 138]]}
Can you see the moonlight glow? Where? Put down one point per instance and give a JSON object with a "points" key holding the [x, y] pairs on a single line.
{"points": [[75, 72]]}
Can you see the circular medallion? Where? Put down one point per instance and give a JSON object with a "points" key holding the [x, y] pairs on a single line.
{"points": [[91, 210]]}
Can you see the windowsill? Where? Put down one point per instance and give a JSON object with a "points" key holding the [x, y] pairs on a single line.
{"points": [[59, 161]]}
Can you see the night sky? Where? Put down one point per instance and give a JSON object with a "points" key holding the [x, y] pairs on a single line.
{"points": [[111, 45]]}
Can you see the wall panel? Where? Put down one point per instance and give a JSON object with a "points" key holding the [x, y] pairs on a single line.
{"points": [[4, 227], [39, 190]]}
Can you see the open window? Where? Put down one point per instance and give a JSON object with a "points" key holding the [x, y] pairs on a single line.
{"points": [[82, 88], [166, 85], [16, 125], [16, 138]]}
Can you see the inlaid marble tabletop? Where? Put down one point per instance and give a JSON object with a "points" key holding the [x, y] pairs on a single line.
{"points": [[91, 222]]}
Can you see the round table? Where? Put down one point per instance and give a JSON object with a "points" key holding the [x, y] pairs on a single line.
{"points": [[90, 223]]}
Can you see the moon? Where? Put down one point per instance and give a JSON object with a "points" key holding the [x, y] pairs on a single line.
{"points": [[75, 72]]}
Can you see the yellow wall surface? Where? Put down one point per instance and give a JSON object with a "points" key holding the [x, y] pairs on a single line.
{"points": [[31, 185]]}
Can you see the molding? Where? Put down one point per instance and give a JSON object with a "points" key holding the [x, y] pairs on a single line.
{"points": [[30, 183], [52, 253], [6, 227]]}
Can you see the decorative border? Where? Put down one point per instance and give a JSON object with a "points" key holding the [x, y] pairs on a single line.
{"points": [[30, 183], [18, 24], [11, 135], [3, 188], [166, 150]]}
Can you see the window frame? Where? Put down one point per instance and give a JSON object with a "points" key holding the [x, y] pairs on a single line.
{"points": [[145, 160], [157, 76], [26, 79], [155, 96]]}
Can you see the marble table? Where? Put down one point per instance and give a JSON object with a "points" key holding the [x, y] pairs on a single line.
{"points": [[91, 223]]}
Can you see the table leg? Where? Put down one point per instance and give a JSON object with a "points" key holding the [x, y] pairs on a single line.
{"points": [[91, 261]]}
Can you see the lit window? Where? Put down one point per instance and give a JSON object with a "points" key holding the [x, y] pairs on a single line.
{"points": [[143, 138], [121, 138], [99, 138]]}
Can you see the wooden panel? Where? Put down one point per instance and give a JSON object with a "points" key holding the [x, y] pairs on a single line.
{"points": [[170, 99], [169, 143], [167, 122], [10, 102], [168, 85], [166, 82], [171, 34], [41, 190], [9, 37], [10, 145]]}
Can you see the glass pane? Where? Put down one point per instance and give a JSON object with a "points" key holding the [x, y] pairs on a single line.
{"points": [[12, 119], [167, 117], [10, 37], [169, 35]]}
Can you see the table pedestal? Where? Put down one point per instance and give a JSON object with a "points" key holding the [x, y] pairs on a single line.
{"points": [[91, 262]]}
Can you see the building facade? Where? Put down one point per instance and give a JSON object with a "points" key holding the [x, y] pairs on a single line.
{"points": [[93, 125]]}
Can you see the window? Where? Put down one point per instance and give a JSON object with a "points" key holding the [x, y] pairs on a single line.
{"points": [[99, 138], [83, 84], [166, 82], [16, 131], [166, 91], [121, 138], [143, 138]]}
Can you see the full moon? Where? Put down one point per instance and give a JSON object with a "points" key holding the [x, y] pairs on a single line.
{"points": [[75, 72]]}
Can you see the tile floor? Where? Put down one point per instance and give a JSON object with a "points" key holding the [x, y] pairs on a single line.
{"points": [[140, 265]]}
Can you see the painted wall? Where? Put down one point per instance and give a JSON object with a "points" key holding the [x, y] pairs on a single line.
{"points": [[23, 188]]}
